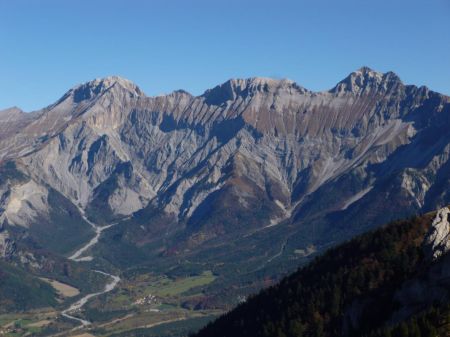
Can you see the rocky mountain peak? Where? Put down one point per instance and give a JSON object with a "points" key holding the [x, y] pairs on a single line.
{"points": [[181, 92], [248, 87], [10, 112], [437, 241], [366, 80], [98, 86]]}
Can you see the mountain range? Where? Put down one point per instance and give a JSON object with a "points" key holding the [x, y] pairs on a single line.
{"points": [[248, 180]]}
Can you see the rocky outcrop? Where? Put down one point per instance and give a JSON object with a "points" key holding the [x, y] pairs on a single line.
{"points": [[437, 241], [7, 245], [433, 286]]}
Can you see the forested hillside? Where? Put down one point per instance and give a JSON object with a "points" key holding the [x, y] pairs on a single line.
{"points": [[353, 290], [22, 291]]}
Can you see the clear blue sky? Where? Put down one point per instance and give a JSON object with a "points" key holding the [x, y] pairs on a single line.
{"points": [[48, 46]]}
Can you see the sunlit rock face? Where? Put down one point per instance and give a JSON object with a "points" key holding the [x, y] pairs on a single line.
{"points": [[269, 150], [437, 242]]}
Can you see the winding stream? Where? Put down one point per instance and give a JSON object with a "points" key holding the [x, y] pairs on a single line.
{"points": [[77, 256], [82, 301], [98, 231]]}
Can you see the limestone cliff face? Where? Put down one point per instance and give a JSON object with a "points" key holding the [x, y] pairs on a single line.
{"points": [[437, 242], [266, 147]]}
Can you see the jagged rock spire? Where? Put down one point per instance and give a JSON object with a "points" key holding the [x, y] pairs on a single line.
{"points": [[365, 80]]}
